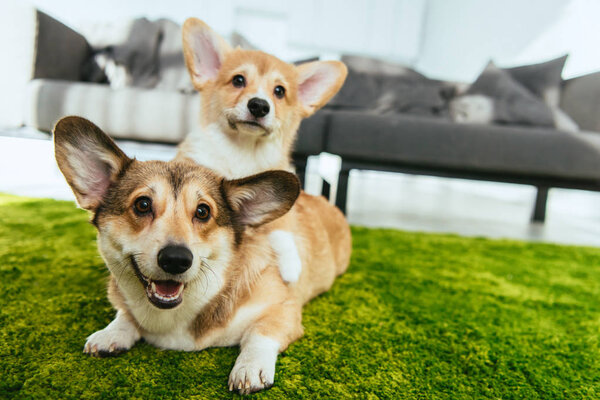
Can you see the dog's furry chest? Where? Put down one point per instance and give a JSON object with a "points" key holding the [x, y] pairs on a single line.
{"points": [[180, 337], [234, 159]]}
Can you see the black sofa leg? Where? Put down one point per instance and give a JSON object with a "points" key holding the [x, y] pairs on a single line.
{"points": [[342, 190], [541, 198]]}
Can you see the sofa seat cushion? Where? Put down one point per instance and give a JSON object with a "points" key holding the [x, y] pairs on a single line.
{"points": [[311, 134], [128, 113], [438, 144]]}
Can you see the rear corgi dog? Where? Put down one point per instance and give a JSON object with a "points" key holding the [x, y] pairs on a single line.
{"points": [[188, 252], [252, 105]]}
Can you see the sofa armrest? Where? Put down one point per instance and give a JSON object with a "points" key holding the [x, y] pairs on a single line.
{"points": [[34, 45], [580, 99], [129, 113]]}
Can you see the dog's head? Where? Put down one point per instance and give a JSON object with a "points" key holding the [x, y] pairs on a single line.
{"points": [[253, 93], [164, 226]]}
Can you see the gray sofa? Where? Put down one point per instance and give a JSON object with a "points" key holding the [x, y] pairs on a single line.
{"points": [[542, 157]]}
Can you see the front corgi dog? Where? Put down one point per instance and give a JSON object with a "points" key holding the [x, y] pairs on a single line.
{"points": [[252, 105], [165, 229], [189, 258]]}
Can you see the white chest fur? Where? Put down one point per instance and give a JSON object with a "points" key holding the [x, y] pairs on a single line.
{"points": [[170, 329], [231, 334], [233, 158], [181, 338], [178, 338]]}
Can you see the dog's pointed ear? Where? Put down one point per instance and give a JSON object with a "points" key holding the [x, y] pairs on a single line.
{"points": [[261, 198], [318, 82], [204, 51], [88, 158]]}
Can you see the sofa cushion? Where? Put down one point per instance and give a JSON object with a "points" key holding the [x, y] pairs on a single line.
{"points": [[68, 60], [385, 93], [311, 134], [509, 101], [581, 100], [543, 79], [433, 143], [128, 113], [34, 45]]}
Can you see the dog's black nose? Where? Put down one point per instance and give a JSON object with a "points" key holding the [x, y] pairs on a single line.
{"points": [[258, 107], [175, 259]]}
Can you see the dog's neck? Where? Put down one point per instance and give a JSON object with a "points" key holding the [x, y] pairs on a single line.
{"points": [[235, 155]]}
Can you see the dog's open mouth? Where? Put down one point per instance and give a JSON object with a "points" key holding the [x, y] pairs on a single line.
{"points": [[162, 294]]}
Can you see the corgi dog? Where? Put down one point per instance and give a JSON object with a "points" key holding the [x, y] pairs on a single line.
{"points": [[252, 106], [190, 262]]}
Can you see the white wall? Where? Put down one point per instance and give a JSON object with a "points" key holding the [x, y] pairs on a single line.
{"points": [[77, 14], [461, 36], [448, 39], [290, 29]]}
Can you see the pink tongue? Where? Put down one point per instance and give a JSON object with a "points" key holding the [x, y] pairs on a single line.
{"points": [[167, 288]]}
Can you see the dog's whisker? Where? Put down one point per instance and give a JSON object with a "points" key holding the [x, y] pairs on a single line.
{"points": [[209, 267]]}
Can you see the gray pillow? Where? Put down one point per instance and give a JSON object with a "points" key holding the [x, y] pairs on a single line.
{"points": [[543, 79], [360, 90], [425, 97], [385, 94], [497, 97], [385, 87]]}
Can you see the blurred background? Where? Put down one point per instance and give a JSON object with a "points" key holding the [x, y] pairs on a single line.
{"points": [[464, 116]]}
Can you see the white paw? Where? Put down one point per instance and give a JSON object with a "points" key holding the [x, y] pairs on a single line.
{"points": [[119, 336], [249, 376], [290, 265], [254, 368]]}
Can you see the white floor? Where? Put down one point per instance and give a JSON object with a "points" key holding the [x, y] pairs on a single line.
{"points": [[414, 203]]}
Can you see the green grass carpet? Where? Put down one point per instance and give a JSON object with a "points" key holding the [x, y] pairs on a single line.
{"points": [[417, 316]]}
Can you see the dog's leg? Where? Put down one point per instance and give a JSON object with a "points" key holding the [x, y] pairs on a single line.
{"points": [[119, 336], [290, 265], [254, 368]]}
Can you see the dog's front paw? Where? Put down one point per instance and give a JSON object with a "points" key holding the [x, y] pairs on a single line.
{"points": [[119, 336], [107, 342], [249, 376]]}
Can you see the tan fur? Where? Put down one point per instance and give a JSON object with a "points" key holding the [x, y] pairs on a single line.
{"points": [[230, 147], [252, 277], [263, 72], [233, 293]]}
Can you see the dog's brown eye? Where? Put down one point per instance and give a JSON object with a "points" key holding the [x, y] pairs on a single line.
{"points": [[202, 212], [279, 91], [142, 205], [239, 81]]}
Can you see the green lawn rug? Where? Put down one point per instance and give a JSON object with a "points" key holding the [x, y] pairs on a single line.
{"points": [[417, 316]]}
